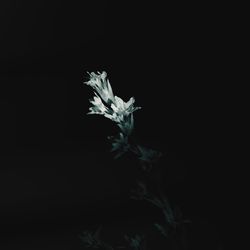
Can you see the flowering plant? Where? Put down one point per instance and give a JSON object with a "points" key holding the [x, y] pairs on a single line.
{"points": [[110, 106], [114, 108]]}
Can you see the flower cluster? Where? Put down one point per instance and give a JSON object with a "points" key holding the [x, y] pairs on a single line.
{"points": [[107, 104]]}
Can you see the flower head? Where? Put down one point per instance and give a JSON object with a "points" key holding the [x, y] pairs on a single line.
{"points": [[101, 85], [112, 107], [98, 106], [122, 109], [122, 114]]}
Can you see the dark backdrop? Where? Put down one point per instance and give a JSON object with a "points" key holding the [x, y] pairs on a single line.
{"points": [[56, 171]]}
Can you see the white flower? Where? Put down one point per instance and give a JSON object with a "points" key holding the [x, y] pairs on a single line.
{"points": [[123, 109], [123, 114], [98, 106], [101, 85]]}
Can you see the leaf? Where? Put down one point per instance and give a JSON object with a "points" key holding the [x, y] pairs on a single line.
{"points": [[161, 229]]}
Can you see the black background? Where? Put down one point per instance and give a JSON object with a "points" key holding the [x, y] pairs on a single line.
{"points": [[57, 175]]}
